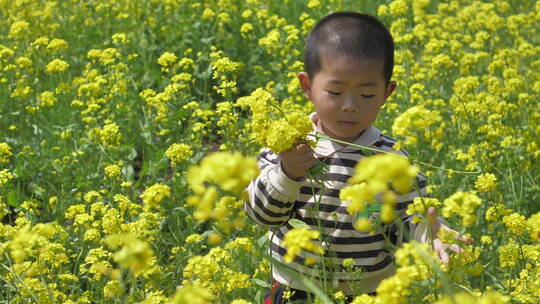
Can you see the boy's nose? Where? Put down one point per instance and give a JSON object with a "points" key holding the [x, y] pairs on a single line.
{"points": [[349, 104]]}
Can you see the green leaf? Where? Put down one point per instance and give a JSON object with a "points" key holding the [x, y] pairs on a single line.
{"points": [[13, 198], [262, 240], [261, 283], [296, 223], [375, 207]]}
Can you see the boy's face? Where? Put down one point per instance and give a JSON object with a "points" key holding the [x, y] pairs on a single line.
{"points": [[347, 95]]}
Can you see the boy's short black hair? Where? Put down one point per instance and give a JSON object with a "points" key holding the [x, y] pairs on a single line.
{"points": [[349, 34]]}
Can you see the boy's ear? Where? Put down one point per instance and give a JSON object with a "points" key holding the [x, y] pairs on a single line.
{"points": [[389, 89], [305, 83]]}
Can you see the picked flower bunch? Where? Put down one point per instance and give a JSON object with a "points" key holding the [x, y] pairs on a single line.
{"points": [[272, 126]]}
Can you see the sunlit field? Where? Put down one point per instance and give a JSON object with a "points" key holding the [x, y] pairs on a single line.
{"points": [[129, 130]]}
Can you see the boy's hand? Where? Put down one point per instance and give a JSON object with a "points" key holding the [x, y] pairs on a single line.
{"points": [[296, 161], [438, 246]]}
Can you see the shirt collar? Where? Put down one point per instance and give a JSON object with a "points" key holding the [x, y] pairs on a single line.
{"points": [[326, 148]]}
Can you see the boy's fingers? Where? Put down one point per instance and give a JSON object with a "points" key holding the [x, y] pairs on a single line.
{"points": [[307, 153], [301, 148], [433, 221], [308, 163], [461, 237], [466, 239], [445, 258], [455, 248]]}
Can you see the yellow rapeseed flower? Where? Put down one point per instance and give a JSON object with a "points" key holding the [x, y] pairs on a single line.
{"points": [[398, 7], [534, 226], [167, 59], [485, 182], [240, 301], [463, 204], [491, 297], [357, 196], [246, 29], [414, 121], [496, 212], [508, 254], [131, 253], [47, 99], [232, 172], [178, 153], [313, 3], [364, 225], [57, 45], [18, 30], [56, 66], [420, 205], [516, 223], [5, 176], [285, 132], [113, 171], [153, 195], [109, 135], [384, 169], [208, 13], [299, 239], [5, 152], [192, 294], [113, 289], [119, 38], [363, 299]]}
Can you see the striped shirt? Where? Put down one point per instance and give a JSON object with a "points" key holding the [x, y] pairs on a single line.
{"points": [[274, 199]]}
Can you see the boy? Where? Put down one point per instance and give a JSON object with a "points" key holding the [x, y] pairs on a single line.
{"points": [[349, 60]]}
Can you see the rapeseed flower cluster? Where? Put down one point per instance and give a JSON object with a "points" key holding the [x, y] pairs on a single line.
{"points": [[5, 152], [166, 60], [220, 172], [273, 126], [231, 172], [192, 294], [515, 223], [420, 205], [485, 182], [215, 271], [463, 204], [108, 136], [301, 239], [534, 226], [178, 153], [5, 176], [113, 171], [370, 182], [417, 262], [153, 195], [492, 297], [56, 66], [419, 118], [131, 253], [223, 70]]}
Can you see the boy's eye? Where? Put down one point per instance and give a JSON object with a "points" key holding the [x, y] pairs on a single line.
{"points": [[367, 96], [334, 93]]}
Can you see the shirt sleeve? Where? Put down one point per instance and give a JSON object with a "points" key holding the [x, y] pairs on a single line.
{"points": [[271, 195]]}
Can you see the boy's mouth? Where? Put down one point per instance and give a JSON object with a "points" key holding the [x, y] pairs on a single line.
{"points": [[347, 123]]}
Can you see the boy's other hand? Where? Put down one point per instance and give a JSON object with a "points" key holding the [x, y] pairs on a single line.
{"points": [[438, 245], [296, 161]]}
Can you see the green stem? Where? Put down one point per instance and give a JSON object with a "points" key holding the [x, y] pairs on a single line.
{"points": [[323, 136], [319, 227]]}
